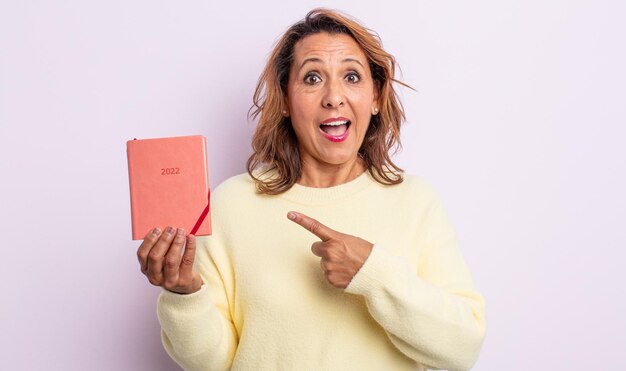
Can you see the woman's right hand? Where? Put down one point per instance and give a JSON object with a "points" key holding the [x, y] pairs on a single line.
{"points": [[163, 262]]}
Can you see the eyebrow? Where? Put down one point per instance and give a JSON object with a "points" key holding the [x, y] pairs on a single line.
{"points": [[315, 59]]}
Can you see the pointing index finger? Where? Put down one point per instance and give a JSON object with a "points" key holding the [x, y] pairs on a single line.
{"points": [[312, 225]]}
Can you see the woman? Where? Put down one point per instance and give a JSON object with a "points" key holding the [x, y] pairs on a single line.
{"points": [[363, 274]]}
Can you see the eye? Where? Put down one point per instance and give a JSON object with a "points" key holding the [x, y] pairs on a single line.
{"points": [[353, 77], [312, 78]]}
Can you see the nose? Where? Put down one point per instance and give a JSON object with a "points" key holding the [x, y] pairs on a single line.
{"points": [[334, 96]]}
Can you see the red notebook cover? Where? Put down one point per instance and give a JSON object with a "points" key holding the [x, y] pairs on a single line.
{"points": [[169, 185]]}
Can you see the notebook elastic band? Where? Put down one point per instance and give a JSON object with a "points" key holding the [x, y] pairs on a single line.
{"points": [[202, 216]]}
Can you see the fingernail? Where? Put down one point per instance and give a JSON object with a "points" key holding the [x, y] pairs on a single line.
{"points": [[156, 231], [180, 232], [291, 215], [169, 230]]}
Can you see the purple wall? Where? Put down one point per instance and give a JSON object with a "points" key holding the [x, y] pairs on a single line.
{"points": [[518, 122]]}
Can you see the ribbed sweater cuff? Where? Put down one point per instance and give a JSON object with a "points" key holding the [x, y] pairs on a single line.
{"points": [[185, 299], [379, 270], [185, 305]]}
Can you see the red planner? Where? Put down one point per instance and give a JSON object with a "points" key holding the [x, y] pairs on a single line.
{"points": [[169, 185]]}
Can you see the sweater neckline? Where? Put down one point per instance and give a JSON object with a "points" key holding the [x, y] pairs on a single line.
{"points": [[320, 196]]}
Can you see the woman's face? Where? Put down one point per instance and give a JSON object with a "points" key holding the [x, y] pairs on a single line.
{"points": [[331, 97]]}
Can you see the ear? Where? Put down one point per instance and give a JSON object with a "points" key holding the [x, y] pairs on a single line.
{"points": [[376, 100], [377, 89]]}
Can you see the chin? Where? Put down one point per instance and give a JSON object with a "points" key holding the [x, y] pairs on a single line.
{"points": [[339, 158]]}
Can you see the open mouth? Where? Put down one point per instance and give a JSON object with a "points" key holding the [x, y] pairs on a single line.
{"points": [[335, 130]]}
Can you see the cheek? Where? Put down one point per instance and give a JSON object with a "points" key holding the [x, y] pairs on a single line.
{"points": [[303, 116], [362, 100], [303, 107], [363, 107]]}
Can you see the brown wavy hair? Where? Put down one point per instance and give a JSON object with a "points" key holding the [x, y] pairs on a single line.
{"points": [[275, 145]]}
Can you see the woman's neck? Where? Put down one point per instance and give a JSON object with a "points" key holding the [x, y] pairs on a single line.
{"points": [[318, 175]]}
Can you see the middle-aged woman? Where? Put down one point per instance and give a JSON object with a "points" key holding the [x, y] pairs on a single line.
{"points": [[324, 255]]}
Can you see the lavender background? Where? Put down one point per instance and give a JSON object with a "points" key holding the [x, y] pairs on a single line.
{"points": [[518, 122]]}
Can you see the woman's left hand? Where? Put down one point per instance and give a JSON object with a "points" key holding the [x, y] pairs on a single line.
{"points": [[342, 254]]}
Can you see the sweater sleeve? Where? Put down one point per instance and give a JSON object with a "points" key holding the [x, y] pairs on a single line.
{"points": [[197, 330], [432, 315]]}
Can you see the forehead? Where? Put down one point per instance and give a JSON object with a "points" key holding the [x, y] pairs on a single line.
{"points": [[324, 45]]}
